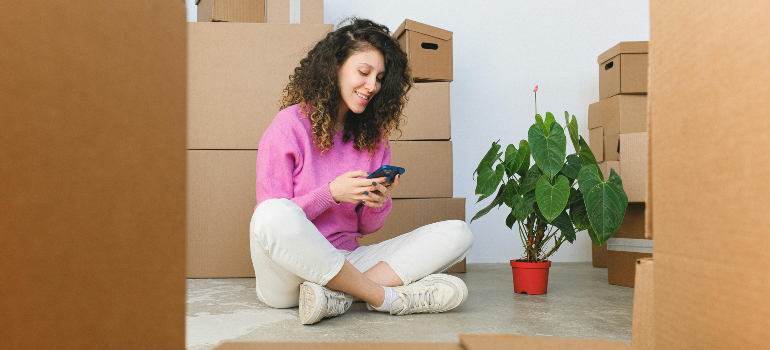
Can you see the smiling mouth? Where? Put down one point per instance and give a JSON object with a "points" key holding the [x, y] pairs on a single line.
{"points": [[362, 96]]}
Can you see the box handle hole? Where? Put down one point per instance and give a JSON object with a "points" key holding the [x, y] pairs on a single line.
{"points": [[609, 65], [430, 46]]}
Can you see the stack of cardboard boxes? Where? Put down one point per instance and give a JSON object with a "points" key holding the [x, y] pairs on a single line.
{"points": [[237, 72], [618, 137], [424, 148]]}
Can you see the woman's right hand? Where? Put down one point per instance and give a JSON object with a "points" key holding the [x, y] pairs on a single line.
{"points": [[353, 187]]}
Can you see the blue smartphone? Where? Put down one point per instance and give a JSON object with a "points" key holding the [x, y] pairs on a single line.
{"points": [[387, 171]]}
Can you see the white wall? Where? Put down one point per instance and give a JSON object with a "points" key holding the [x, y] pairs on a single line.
{"points": [[502, 49]]}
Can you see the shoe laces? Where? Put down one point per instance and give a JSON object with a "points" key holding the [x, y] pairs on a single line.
{"points": [[420, 300], [336, 303]]}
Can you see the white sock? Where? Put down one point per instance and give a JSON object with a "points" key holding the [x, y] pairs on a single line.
{"points": [[390, 294]]}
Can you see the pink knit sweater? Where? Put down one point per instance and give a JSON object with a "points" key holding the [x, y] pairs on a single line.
{"points": [[290, 166]]}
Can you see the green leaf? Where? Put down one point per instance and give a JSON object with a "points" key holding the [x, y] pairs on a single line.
{"points": [[524, 154], [539, 120], [539, 214], [510, 220], [549, 119], [564, 224], [512, 161], [574, 196], [489, 207], [488, 180], [511, 190], [489, 158], [594, 239], [529, 181], [552, 199], [585, 152], [579, 216], [572, 168], [605, 202], [549, 151], [523, 206], [572, 127]]}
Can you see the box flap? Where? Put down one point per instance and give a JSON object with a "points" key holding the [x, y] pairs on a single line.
{"points": [[424, 29], [623, 47], [513, 341]]}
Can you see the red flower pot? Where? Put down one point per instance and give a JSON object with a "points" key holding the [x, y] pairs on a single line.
{"points": [[530, 278]]}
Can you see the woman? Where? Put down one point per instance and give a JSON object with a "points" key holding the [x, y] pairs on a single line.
{"points": [[338, 110]]}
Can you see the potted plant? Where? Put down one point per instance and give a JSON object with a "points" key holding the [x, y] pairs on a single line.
{"points": [[551, 200]]}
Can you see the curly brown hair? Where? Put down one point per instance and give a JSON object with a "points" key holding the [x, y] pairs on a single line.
{"points": [[314, 86]]}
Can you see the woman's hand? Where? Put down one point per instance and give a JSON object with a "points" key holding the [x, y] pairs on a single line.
{"points": [[354, 187], [381, 192]]}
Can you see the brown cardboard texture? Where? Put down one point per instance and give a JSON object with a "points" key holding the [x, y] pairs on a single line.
{"points": [[220, 201], [237, 72], [410, 214], [93, 175], [596, 143], [252, 11], [643, 323], [599, 256], [627, 245], [429, 50], [427, 113], [622, 114], [286, 11], [339, 346], [513, 341], [428, 167], [623, 69], [709, 83], [633, 150], [606, 166], [594, 115]]}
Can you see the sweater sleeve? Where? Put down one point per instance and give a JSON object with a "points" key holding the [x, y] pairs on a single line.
{"points": [[371, 219], [277, 159]]}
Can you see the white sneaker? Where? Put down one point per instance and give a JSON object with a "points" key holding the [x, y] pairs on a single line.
{"points": [[317, 302], [432, 294]]}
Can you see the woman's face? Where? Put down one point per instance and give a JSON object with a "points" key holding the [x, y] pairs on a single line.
{"points": [[359, 79]]}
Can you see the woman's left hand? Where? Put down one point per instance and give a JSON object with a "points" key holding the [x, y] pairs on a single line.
{"points": [[379, 193]]}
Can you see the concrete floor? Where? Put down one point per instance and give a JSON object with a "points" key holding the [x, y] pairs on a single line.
{"points": [[579, 304]]}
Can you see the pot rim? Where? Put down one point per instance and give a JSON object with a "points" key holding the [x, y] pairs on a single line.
{"points": [[529, 265]]}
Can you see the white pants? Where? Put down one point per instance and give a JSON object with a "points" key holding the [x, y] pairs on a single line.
{"points": [[287, 249]]}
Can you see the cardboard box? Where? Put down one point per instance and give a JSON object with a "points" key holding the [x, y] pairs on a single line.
{"points": [[410, 214], [429, 50], [252, 11], [606, 166], [427, 114], [338, 346], [599, 256], [220, 203], [514, 341], [626, 246], [634, 164], [621, 114], [708, 157], [623, 69], [237, 72], [596, 143], [294, 11], [643, 322], [428, 167], [92, 194]]}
